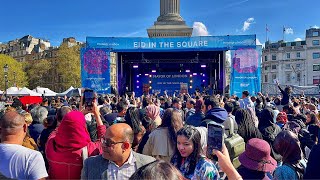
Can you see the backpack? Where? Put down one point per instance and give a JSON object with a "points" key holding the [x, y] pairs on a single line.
{"points": [[235, 145]]}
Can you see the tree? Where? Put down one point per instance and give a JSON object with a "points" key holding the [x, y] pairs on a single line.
{"points": [[16, 68], [68, 66], [38, 71]]}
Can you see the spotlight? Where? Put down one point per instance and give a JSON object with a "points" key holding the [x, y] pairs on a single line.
{"points": [[135, 66], [190, 75], [150, 87], [138, 87], [138, 75], [150, 75], [194, 74], [154, 71], [203, 80], [187, 71], [146, 74], [150, 82], [191, 81], [203, 66], [137, 81], [203, 75], [190, 87]]}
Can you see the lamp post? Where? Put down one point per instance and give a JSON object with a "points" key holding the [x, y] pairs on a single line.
{"points": [[5, 70], [14, 79]]}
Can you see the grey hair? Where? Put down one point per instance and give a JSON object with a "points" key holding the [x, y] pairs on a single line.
{"points": [[39, 114]]}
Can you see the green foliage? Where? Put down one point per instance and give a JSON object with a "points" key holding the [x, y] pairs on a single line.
{"points": [[68, 66], [14, 66], [37, 71]]}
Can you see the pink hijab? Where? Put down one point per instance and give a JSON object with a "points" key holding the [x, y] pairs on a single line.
{"points": [[153, 112], [72, 133]]}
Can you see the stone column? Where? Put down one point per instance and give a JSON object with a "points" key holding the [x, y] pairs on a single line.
{"points": [[169, 7]]}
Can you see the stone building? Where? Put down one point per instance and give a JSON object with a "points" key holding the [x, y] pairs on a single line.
{"points": [[292, 63]]}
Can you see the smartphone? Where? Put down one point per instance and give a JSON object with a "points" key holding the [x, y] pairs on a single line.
{"points": [[215, 139], [88, 97]]}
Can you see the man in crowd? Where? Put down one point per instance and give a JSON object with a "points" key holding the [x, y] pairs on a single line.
{"points": [[177, 104], [190, 107], [246, 102], [16, 161], [118, 160]]}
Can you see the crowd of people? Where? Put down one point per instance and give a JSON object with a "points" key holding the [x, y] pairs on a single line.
{"points": [[161, 137]]}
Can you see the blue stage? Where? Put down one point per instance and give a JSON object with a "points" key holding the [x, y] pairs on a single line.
{"points": [[186, 55]]}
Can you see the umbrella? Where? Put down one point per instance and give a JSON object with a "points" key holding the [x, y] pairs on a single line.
{"points": [[74, 92], [30, 100]]}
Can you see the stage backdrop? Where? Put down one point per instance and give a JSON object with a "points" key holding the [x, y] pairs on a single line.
{"points": [[95, 69], [246, 71], [169, 81]]}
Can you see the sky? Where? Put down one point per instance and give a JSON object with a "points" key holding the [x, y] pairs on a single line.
{"points": [[57, 19]]}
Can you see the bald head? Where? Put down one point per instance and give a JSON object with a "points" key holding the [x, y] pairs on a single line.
{"points": [[121, 131], [11, 123]]}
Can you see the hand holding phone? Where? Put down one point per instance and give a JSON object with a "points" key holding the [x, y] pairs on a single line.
{"points": [[215, 138], [88, 97]]}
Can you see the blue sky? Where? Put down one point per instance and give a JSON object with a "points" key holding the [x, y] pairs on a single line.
{"points": [[56, 19]]}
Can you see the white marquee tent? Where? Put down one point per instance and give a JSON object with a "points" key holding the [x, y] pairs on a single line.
{"points": [[45, 91]]}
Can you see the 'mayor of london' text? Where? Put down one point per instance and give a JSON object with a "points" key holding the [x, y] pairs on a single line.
{"points": [[182, 44]]}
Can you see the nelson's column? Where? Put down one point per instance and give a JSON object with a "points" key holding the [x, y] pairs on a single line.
{"points": [[169, 23]]}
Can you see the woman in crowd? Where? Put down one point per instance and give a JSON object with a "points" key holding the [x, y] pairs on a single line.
{"points": [[153, 112], [293, 163], [256, 161], [269, 130], [157, 170], [67, 147], [246, 126], [132, 118], [28, 141], [188, 157], [162, 140], [312, 125], [281, 119]]}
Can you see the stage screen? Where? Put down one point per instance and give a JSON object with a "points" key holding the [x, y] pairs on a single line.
{"points": [[169, 81]]}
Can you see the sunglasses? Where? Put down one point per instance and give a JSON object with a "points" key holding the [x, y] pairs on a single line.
{"points": [[109, 142]]}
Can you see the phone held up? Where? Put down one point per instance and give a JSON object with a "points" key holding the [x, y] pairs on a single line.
{"points": [[88, 97], [215, 138]]}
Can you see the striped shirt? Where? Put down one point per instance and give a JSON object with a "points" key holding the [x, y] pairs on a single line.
{"points": [[114, 172]]}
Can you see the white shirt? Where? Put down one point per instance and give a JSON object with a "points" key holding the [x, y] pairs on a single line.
{"points": [[115, 172], [18, 162]]}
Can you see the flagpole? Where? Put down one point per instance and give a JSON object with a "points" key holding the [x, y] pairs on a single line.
{"points": [[266, 32], [283, 32]]}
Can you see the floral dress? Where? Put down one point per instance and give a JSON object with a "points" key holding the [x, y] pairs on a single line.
{"points": [[205, 169]]}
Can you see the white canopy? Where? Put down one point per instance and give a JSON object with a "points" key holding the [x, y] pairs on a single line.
{"points": [[13, 91], [1, 92], [65, 92], [27, 92], [45, 91]]}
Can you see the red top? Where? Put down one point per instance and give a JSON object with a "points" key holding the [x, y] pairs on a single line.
{"points": [[64, 146]]}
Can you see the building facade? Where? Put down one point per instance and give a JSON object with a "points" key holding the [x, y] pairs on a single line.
{"points": [[292, 63], [20, 48]]}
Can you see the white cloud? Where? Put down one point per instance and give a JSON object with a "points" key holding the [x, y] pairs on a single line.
{"points": [[247, 23], [199, 29], [297, 39], [288, 31], [315, 26]]}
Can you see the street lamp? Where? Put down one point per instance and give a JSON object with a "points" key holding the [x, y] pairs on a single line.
{"points": [[14, 79], [5, 70]]}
